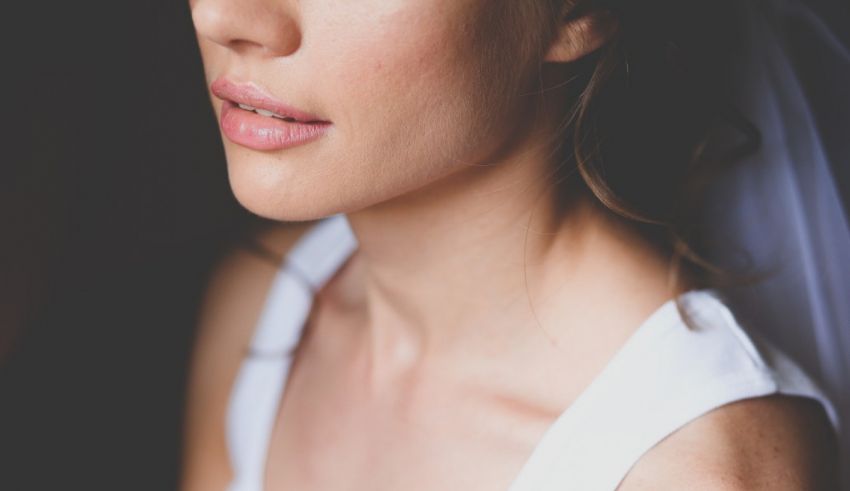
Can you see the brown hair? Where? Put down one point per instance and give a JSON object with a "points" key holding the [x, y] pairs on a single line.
{"points": [[651, 123]]}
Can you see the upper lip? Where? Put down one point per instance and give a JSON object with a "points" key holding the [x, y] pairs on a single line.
{"points": [[252, 95]]}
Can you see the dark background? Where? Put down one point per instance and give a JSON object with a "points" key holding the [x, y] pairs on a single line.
{"points": [[114, 205]]}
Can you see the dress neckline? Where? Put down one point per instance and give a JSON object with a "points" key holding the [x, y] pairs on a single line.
{"points": [[657, 323], [320, 254]]}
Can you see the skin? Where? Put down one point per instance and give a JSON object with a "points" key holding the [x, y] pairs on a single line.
{"points": [[471, 315]]}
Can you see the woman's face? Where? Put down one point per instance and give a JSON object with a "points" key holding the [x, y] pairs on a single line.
{"points": [[413, 90]]}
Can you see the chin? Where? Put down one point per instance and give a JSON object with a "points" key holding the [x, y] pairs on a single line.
{"points": [[295, 187], [267, 188]]}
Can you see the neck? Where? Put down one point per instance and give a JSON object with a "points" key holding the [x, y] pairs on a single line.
{"points": [[471, 262]]}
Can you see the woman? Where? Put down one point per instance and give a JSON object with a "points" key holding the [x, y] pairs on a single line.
{"points": [[489, 278]]}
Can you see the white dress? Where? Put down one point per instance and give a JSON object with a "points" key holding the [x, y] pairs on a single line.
{"points": [[664, 376]]}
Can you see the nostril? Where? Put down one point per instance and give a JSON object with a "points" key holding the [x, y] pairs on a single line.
{"points": [[264, 30], [242, 45]]}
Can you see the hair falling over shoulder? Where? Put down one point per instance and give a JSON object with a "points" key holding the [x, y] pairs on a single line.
{"points": [[654, 122]]}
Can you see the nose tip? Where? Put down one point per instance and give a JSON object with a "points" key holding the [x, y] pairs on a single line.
{"points": [[247, 26]]}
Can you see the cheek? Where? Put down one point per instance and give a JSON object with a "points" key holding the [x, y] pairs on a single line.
{"points": [[410, 94], [406, 92]]}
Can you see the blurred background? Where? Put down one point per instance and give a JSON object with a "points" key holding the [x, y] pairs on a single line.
{"points": [[114, 205]]}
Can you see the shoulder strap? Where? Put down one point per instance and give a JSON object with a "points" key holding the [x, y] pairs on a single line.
{"points": [[261, 380], [665, 378], [308, 265]]}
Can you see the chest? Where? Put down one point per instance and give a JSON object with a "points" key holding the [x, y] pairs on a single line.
{"points": [[333, 431], [374, 457]]}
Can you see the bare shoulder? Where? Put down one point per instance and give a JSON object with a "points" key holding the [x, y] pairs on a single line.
{"points": [[774, 442], [231, 307]]}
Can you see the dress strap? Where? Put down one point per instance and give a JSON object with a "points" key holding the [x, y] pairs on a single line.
{"points": [[666, 377], [308, 265], [261, 380]]}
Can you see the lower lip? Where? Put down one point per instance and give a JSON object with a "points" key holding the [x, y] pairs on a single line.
{"points": [[260, 132]]}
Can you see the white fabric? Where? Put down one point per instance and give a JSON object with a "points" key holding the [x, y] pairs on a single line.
{"points": [[259, 385], [782, 206], [664, 376]]}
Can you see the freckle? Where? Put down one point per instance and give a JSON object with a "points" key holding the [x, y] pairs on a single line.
{"points": [[379, 66]]}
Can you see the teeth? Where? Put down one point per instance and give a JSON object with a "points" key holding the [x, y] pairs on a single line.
{"points": [[270, 114]]}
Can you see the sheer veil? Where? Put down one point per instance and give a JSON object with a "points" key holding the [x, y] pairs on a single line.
{"points": [[782, 206]]}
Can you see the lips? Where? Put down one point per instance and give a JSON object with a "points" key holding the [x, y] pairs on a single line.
{"points": [[252, 118], [251, 95]]}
